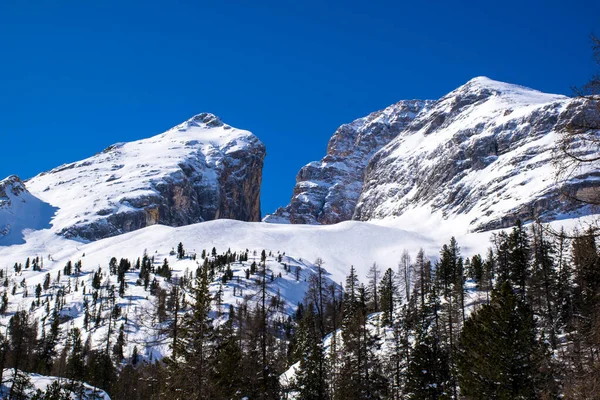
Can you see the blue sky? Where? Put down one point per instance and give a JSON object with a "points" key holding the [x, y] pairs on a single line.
{"points": [[77, 76]]}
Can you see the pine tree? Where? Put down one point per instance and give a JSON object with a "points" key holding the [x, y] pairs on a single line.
{"points": [[75, 368], [20, 387], [119, 345], [428, 375], [228, 370], [388, 293], [310, 375], [189, 371], [498, 353], [180, 251], [518, 258], [361, 374]]}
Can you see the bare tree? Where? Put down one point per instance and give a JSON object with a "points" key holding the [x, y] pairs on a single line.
{"points": [[374, 276], [577, 153], [405, 274]]}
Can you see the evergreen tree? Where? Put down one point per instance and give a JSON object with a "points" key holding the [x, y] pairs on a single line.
{"points": [[76, 362], [361, 374], [119, 345], [228, 370], [180, 251], [388, 293], [20, 386], [518, 258], [498, 354], [310, 375], [428, 375], [189, 372]]}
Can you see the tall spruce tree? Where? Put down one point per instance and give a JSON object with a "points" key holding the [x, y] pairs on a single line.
{"points": [[311, 373], [499, 357], [388, 294], [189, 372]]}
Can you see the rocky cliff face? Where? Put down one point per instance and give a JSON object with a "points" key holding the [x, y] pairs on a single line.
{"points": [[483, 153], [200, 170], [20, 210], [327, 191]]}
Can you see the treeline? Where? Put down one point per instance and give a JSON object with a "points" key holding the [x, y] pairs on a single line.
{"points": [[219, 360], [520, 322]]}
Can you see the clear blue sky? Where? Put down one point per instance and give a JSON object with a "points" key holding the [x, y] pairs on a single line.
{"points": [[77, 76]]}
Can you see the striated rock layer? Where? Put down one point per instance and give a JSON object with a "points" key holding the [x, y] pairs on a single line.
{"points": [[200, 170], [484, 153], [327, 191]]}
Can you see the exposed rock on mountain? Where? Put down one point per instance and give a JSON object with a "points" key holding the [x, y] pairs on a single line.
{"points": [[200, 170], [326, 191], [483, 153], [20, 210]]}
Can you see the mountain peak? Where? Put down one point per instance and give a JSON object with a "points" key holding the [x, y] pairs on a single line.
{"points": [[13, 183], [202, 120], [484, 87], [207, 119], [200, 170]]}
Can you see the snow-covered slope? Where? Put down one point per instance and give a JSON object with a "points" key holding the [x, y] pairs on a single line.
{"points": [[326, 191], [482, 154], [41, 383], [200, 170], [19, 211], [341, 245]]}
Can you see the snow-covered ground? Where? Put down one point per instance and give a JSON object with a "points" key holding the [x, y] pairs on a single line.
{"points": [[42, 382], [339, 246]]}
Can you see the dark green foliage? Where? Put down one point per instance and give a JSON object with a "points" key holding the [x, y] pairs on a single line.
{"points": [[180, 251], [388, 293], [361, 374], [54, 391], [518, 258], [428, 375], [311, 373], [498, 351], [164, 270]]}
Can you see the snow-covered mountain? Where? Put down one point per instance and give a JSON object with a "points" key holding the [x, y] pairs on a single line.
{"points": [[327, 191], [199, 170], [19, 211], [478, 158], [483, 154]]}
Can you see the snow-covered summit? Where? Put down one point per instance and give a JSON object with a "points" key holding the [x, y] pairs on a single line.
{"points": [[199, 170], [482, 154]]}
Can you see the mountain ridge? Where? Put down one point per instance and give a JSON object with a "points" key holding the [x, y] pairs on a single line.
{"points": [[482, 127], [199, 170]]}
